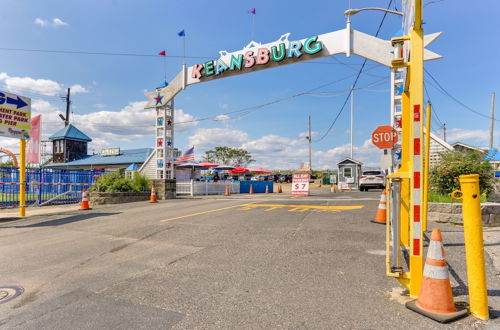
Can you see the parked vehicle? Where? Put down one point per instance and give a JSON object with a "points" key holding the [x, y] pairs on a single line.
{"points": [[372, 179], [285, 178]]}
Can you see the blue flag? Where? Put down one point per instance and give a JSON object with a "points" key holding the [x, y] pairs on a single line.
{"points": [[181, 34]]}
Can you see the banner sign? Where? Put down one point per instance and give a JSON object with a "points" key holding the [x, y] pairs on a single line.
{"points": [[33, 150], [15, 115], [300, 184], [110, 152]]}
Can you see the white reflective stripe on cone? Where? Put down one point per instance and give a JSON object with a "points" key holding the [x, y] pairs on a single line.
{"points": [[435, 250], [436, 272], [382, 206]]}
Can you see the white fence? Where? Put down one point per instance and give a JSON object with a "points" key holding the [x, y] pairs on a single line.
{"points": [[193, 188]]}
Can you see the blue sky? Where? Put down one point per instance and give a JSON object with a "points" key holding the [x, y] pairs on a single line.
{"points": [[109, 90]]}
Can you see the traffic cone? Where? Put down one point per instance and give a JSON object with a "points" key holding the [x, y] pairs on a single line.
{"points": [[436, 298], [380, 217], [251, 190], [332, 189], [340, 188], [319, 185], [153, 195], [85, 201], [279, 189], [227, 193], [267, 189]]}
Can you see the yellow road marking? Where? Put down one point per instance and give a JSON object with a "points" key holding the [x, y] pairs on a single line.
{"points": [[204, 212], [296, 207]]}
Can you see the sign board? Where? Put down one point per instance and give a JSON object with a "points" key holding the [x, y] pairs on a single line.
{"points": [[349, 179], [300, 184], [110, 152], [15, 116], [384, 137], [333, 179]]}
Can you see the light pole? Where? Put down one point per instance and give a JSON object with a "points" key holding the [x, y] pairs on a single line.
{"points": [[410, 172]]}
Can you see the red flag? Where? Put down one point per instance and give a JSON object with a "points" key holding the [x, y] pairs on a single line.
{"points": [[33, 154], [162, 53]]}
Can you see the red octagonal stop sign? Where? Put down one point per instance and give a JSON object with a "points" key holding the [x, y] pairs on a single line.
{"points": [[384, 137]]}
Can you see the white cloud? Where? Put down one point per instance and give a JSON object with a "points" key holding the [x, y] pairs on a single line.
{"points": [[45, 87], [279, 152], [222, 118], [75, 89], [58, 22], [41, 22], [39, 86], [224, 106], [129, 123], [478, 137], [55, 22]]}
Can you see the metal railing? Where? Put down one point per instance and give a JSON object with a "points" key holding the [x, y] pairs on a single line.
{"points": [[196, 188]]}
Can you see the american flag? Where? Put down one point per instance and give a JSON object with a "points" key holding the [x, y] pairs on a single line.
{"points": [[188, 156]]}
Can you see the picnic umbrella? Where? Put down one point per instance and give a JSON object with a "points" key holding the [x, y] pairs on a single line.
{"points": [[224, 167], [192, 165], [208, 164], [239, 170], [261, 170]]}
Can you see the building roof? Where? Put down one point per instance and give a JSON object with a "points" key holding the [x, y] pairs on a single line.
{"points": [[467, 146], [349, 160], [70, 132], [125, 157], [493, 155], [132, 167]]}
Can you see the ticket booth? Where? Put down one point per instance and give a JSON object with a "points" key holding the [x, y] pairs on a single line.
{"points": [[349, 173]]}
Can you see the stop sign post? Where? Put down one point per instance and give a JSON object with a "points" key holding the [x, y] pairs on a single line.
{"points": [[384, 137]]}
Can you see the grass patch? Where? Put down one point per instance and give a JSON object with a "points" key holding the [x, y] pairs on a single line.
{"points": [[435, 197]]}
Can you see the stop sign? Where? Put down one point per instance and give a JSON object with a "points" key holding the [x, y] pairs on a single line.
{"points": [[384, 137]]}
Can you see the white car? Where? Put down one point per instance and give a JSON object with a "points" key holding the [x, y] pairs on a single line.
{"points": [[372, 179]]}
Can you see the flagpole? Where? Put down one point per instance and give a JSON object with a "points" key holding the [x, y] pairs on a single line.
{"points": [[253, 27], [184, 49]]}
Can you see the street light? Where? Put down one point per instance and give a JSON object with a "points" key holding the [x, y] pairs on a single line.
{"points": [[350, 12]]}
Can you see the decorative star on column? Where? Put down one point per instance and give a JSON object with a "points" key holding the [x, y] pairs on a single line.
{"points": [[159, 143], [169, 143], [169, 164], [169, 122], [158, 99]]}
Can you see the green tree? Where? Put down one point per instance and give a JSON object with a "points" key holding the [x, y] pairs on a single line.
{"points": [[444, 176], [228, 156]]}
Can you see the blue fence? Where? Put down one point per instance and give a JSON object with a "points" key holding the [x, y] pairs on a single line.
{"points": [[44, 185], [258, 186]]}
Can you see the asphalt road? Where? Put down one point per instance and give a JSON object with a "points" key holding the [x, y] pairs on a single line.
{"points": [[245, 262]]}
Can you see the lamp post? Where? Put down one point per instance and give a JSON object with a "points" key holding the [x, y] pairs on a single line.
{"points": [[411, 168]]}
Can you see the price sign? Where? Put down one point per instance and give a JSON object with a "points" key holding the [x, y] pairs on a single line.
{"points": [[300, 184]]}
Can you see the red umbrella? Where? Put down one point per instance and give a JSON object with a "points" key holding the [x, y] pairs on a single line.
{"points": [[238, 170], [261, 170], [208, 164]]}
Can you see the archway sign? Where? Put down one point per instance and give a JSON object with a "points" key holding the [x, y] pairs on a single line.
{"points": [[256, 57]]}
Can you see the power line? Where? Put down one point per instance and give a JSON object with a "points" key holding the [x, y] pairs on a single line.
{"points": [[434, 110], [354, 84], [444, 91], [81, 52]]}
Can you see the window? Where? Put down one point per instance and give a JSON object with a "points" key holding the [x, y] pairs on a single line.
{"points": [[347, 171]]}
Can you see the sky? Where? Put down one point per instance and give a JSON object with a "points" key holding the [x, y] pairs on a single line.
{"points": [[108, 90]]}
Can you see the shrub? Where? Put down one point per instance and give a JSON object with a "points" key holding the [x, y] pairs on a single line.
{"points": [[140, 182], [444, 176], [115, 182]]}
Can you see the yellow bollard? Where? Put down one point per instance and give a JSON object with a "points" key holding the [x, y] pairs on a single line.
{"points": [[474, 246]]}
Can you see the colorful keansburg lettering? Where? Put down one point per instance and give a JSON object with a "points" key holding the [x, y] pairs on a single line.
{"points": [[262, 56]]}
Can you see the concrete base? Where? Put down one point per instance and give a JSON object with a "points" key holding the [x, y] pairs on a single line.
{"points": [[165, 188], [102, 198], [452, 213]]}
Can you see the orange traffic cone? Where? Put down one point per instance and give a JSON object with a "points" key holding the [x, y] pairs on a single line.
{"points": [[332, 189], [319, 185], [153, 195], [279, 189], [436, 299], [85, 201], [227, 193], [267, 189], [251, 190], [340, 188], [380, 217]]}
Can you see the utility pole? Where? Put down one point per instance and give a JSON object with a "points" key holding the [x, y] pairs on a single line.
{"points": [[492, 126], [310, 146], [68, 102], [352, 116], [444, 132]]}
